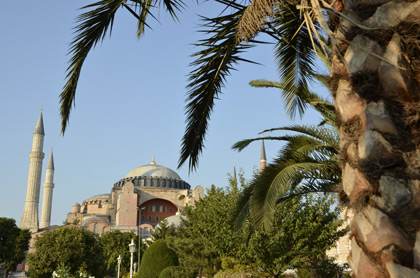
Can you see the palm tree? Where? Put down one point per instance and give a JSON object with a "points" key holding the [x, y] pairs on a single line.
{"points": [[221, 52], [306, 164], [219, 55], [375, 85]]}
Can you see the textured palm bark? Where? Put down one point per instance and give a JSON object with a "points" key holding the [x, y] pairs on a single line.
{"points": [[376, 74]]}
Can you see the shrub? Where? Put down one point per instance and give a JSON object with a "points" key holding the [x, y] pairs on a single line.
{"points": [[166, 273], [156, 258]]}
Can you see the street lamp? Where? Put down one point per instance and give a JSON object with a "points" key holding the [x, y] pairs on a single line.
{"points": [[138, 232], [132, 248], [119, 263]]}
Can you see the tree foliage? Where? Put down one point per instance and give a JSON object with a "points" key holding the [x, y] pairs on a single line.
{"points": [[208, 234], [114, 244], [72, 248], [303, 230], [209, 243], [14, 242], [163, 230], [156, 258]]}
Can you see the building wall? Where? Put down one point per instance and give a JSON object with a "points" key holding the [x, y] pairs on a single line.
{"points": [[159, 208], [343, 246]]}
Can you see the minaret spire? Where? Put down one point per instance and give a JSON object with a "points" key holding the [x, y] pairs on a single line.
{"points": [[48, 194], [30, 211], [234, 182], [263, 159], [234, 171]]}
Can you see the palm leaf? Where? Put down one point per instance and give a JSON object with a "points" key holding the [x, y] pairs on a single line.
{"points": [[296, 58], [306, 164], [213, 64], [92, 28]]}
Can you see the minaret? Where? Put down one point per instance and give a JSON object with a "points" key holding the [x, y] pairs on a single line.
{"points": [[234, 172], [263, 159], [48, 194], [234, 179], [30, 212]]}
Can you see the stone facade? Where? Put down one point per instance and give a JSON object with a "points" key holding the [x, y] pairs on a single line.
{"points": [[342, 248], [137, 203]]}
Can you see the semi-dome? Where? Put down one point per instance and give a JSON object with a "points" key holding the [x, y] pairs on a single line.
{"points": [[153, 170], [100, 196]]}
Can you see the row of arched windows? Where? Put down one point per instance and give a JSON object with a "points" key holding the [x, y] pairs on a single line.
{"points": [[150, 218]]}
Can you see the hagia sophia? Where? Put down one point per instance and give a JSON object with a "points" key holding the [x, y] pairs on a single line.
{"points": [[137, 202]]}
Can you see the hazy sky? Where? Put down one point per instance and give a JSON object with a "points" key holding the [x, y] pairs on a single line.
{"points": [[129, 103]]}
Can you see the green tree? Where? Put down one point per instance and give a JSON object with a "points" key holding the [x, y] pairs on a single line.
{"points": [[303, 230], [71, 248], [208, 234], [156, 258], [163, 230], [114, 244], [14, 242]]}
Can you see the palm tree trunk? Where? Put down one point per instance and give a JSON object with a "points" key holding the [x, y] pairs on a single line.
{"points": [[376, 80]]}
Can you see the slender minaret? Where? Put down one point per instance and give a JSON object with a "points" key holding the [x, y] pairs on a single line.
{"points": [[234, 172], [30, 212], [263, 159], [48, 194], [234, 179]]}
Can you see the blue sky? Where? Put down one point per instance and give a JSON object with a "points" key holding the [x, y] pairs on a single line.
{"points": [[129, 103]]}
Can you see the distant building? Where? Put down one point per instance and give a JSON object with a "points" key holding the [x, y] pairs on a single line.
{"points": [[139, 201], [343, 245]]}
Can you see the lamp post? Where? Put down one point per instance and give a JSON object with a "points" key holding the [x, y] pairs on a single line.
{"points": [[119, 263], [132, 248], [138, 232]]}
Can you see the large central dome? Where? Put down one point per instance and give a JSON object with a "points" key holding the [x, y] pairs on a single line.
{"points": [[152, 170], [153, 176]]}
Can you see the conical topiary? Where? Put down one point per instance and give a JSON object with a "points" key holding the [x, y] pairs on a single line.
{"points": [[156, 258]]}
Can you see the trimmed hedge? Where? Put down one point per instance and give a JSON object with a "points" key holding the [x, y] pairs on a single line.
{"points": [[156, 258], [166, 273]]}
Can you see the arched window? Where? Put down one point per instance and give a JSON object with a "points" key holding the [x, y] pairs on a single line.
{"points": [[150, 218], [157, 218], [103, 230], [143, 218], [96, 228], [164, 208]]}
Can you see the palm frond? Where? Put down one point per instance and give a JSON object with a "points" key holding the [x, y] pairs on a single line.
{"points": [[296, 58], [306, 164], [144, 12], [241, 209], [92, 27], [172, 6], [285, 179], [213, 64]]}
